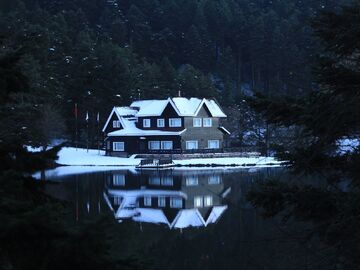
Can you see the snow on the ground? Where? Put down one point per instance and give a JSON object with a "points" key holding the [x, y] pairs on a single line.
{"points": [[82, 157], [230, 161]]}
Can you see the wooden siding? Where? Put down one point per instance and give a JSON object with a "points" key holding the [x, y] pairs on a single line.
{"points": [[202, 134], [168, 113], [109, 127], [134, 145]]}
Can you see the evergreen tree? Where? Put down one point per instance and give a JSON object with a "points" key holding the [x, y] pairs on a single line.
{"points": [[329, 118]]}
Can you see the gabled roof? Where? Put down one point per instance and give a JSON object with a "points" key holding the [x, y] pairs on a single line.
{"points": [[183, 106], [216, 213], [149, 107], [120, 113], [188, 218]]}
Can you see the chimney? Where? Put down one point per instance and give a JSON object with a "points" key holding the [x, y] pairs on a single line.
{"points": [[179, 93]]}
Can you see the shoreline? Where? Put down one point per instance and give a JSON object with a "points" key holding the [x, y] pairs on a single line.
{"points": [[69, 156]]}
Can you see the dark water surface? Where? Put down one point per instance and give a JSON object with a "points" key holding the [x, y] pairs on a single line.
{"points": [[189, 218]]}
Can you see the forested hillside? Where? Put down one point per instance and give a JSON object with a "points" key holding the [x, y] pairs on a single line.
{"points": [[101, 53]]}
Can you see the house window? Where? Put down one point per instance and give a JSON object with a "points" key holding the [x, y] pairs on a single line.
{"points": [[213, 144], [154, 180], [161, 201], [207, 122], [117, 200], [197, 122], [214, 180], [167, 181], [175, 202], [118, 146], [154, 145], [198, 201], [147, 201], [191, 145], [161, 123], [192, 181], [208, 200], [146, 123], [166, 145], [116, 124], [175, 122], [118, 180]]}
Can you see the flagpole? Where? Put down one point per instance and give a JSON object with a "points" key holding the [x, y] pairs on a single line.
{"points": [[76, 126], [87, 130], [98, 131]]}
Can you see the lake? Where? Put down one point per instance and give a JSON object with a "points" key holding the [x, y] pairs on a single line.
{"points": [[186, 218]]}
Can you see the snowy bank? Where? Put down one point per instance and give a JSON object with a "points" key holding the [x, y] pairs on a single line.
{"points": [[82, 157]]}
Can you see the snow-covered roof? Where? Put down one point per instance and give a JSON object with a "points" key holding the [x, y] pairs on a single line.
{"points": [[184, 218], [183, 106], [216, 213], [130, 129], [146, 108], [188, 218], [125, 111], [223, 129], [149, 107], [151, 215]]}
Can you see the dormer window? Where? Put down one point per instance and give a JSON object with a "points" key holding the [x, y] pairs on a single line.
{"points": [[161, 123], [207, 122], [146, 123], [175, 122], [197, 122], [116, 124]]}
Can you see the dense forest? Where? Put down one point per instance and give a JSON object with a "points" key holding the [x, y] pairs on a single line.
{"points": [[101, 53], [301, 58]]}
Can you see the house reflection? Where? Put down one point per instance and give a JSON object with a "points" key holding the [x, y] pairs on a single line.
{"points": [[176, 199]]}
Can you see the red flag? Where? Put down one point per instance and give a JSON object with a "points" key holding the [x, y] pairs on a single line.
{"points": [[76, 111]]}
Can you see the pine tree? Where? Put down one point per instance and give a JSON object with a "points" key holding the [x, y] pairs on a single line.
{"points": [[328, 117]]}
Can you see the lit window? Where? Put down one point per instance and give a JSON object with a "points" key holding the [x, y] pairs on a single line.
{"points": [[192, 181], [146, 123], [198, 201], [197, 122], [161, 201], [208, 200], [207, 122], [213, 144], [175, 202], [118, 180], [161, 122], [116, 124], [154, 145], [175, 122], [118, 146], [191, 145], [117, 200], [214, 179], [154, 180], [147, 201], [167, 145], [167, 181]]}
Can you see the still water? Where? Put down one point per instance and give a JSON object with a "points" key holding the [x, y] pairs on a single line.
{"points": [[187, 218]]}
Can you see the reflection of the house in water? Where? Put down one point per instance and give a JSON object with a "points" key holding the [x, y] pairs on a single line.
{"points": [[178, 200]]}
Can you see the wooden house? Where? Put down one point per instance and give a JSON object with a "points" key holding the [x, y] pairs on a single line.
{"points": [[173, 125]]}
